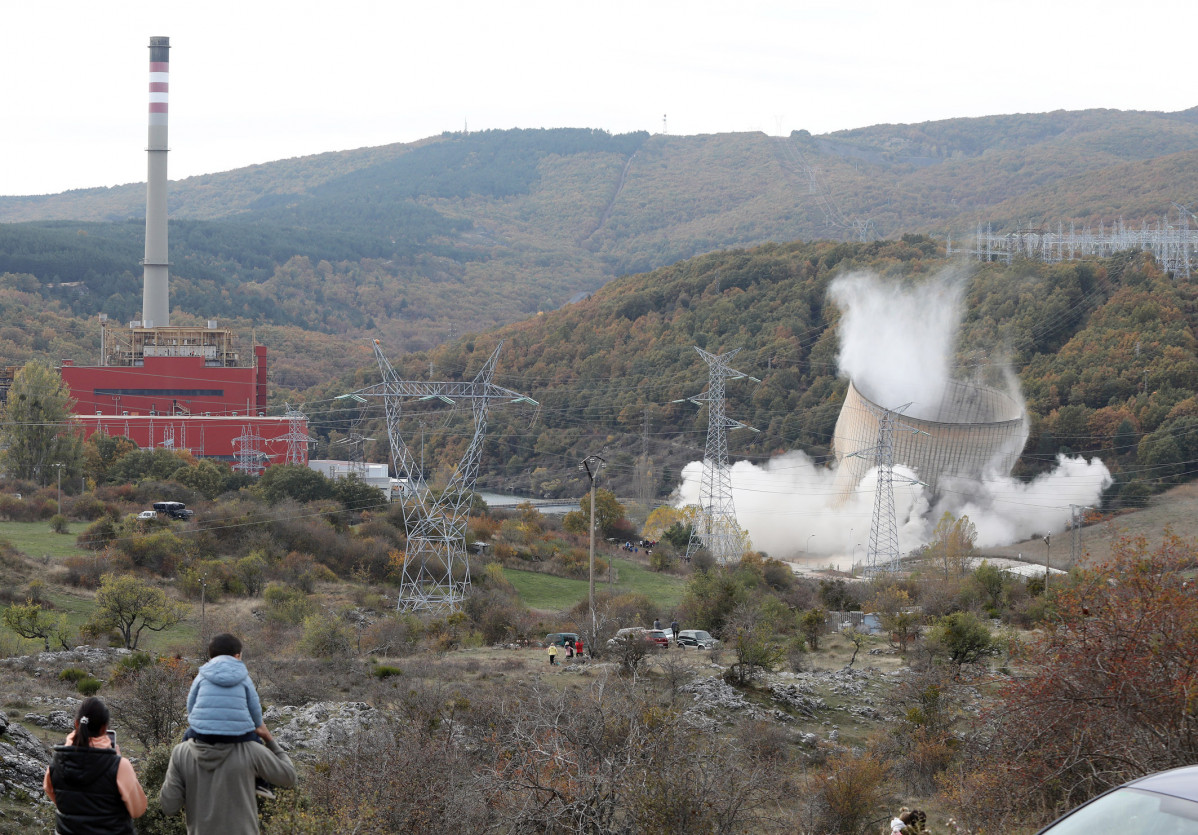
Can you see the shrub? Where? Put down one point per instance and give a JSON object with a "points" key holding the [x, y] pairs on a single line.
{"points": [[99, 534], [73, 675], [286, 605], [88, 686], [325, 636], [86, 572], [59, 524], [128, 666], [385, 671]]}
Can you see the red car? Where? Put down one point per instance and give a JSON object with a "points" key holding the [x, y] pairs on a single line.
{"points": [[659, 637]]}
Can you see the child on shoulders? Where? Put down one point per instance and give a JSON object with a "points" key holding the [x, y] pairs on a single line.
{"points": [[223, 705]]}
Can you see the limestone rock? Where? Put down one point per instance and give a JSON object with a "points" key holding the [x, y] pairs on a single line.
{"points": [[308, 729], [23, 759]]}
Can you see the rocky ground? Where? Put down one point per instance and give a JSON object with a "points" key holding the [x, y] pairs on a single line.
{"points": [[827, 703]]}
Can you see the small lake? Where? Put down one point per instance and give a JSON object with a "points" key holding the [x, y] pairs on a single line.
{"points": [[550, 507]]}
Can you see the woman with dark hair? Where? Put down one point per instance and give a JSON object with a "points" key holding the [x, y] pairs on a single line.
{"points": [[93, 787]]}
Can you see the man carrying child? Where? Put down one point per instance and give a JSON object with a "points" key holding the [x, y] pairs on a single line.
{"points": [[213, 771]]}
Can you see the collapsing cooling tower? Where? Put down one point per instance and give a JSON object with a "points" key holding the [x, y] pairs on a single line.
{"points": [[973, 432]]}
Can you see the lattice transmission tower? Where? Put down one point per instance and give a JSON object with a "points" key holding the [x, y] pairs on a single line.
{"points": [[247, 447], [883, 554], [354, 441], [297, 439], [435, 574], [715, 525]]}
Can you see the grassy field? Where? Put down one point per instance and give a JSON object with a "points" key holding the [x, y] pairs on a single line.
{"points": [[36, 540], [547, 593]]}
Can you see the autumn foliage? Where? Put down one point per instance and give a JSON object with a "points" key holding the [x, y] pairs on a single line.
{"points": [[1108, 691]]}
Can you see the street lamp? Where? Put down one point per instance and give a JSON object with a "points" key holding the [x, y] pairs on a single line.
{"points": [[809, 538], [592, 464]]}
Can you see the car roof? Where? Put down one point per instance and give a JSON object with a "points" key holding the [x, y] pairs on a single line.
{"points": [[1178, 782]]}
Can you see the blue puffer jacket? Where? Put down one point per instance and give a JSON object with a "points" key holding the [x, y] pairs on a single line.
{"points": [[223, 700]]}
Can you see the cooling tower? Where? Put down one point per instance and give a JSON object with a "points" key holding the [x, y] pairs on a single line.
{"points": [[155, 293], [974, 431]]}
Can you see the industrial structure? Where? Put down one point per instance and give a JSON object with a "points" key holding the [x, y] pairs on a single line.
{"points": [[715, 527], [183, 387], [1173, 245], [973, 431], [435, 573]]}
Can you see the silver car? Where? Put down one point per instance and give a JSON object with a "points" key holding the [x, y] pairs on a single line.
{"points": [[1165, 803]]}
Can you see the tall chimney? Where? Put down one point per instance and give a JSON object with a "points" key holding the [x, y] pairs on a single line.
{"points": [[155, 292]]}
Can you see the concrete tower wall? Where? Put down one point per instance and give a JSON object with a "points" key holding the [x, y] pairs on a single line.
{"points": [[972, 432]]}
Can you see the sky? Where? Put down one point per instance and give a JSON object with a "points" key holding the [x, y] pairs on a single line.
{"points": [[260, 80]]}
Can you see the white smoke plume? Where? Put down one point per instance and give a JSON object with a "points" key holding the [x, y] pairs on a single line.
{"points": [[897, 340], [1006, 510], [897, 343], [792, 508]]}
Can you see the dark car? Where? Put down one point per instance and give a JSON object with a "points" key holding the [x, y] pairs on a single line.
{"points": [[696, 639], [175, 510], [560, 638], [1164, 803]]}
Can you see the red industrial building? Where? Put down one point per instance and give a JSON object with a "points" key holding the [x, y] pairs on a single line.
{"points": [[179, 387], [184, 388]]}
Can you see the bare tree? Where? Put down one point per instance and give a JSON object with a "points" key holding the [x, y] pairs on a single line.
{"points": [[151, 703]]}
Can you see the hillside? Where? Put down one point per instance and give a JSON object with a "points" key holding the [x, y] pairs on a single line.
{"points": [[387, 242], [1105, 353]]}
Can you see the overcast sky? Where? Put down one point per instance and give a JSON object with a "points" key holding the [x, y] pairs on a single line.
{"points": [[259, 80]]}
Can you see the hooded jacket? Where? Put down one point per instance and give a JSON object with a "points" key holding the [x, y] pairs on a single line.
{"points": [[86, 796], [223, 700], [215, 784]]}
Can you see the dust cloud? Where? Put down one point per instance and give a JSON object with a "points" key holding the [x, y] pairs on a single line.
{"points": [[897, 342]]}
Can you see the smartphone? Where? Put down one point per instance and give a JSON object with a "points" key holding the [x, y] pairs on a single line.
{"points": [[112, 737]]}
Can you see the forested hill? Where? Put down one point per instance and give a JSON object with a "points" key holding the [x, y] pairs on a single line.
{"points": [[1105, 351], [464, 232]]}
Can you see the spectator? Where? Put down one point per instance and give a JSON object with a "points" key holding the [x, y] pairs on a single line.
{"points": [[94, 789], [214, 783]]}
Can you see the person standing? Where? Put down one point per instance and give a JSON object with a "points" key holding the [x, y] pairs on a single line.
{"points": [[214, 783], [578, 647], [94, 789], [552, 655], [674, 629]]}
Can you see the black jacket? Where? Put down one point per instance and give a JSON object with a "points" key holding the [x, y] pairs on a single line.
{"points": [[86, 794]]}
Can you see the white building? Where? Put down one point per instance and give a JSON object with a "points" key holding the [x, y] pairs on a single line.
{"points": [[376, 475]]}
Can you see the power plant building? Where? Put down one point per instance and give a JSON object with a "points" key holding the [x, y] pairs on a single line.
{"points": [[974, 431], [178, 387]]}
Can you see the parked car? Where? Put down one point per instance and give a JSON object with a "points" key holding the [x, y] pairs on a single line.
{"points": [[626, 633], [175, 510], [148, 514], [560, 638], [658, 636], [1165, 802], [696, 639]]}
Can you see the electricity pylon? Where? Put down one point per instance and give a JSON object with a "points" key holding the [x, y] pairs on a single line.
{"points": [[251, 460], [435, 574], [715, 525], [354, 442], [883, 553], [296, 438]]}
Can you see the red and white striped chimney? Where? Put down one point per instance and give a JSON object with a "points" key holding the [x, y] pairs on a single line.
{"points": [[155, 291]]}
